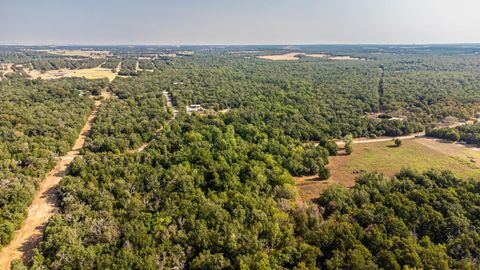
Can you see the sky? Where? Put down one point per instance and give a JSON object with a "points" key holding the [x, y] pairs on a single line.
{"points": [[227, 22]]}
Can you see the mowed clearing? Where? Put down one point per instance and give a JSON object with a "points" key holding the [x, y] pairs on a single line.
{"points": [[297, 55], [420, 153], [82, 53], [88, 73]]}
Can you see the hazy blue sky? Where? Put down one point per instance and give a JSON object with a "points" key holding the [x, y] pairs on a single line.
{"points": [[238, 22]]}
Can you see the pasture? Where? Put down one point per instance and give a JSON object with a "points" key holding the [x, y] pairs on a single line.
{"points": [[383, 157]]}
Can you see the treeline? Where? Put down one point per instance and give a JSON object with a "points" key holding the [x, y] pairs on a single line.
{"points": [[145, 64], [129, 67], [431, 96], [204, 195], [129, 119], [208, 196], [468, 133], [112, 63], [39, 121], [306, 100], [413, 221], [53, 64]]}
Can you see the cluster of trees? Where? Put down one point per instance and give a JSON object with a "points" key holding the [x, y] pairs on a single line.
{"points": [[53, 64], [129, 67], [39, 120], [413, 221], [145, 64], [129, 119], [112, 63], [429, 96], [205, 194], [308, 100], [469, 133]]}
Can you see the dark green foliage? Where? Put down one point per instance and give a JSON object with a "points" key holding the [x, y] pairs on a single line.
{"points": [[129, 120], [417, 220], [45, 65], [397, 142], [216, 191], [467, 133], [324, 173], [38, 121]]}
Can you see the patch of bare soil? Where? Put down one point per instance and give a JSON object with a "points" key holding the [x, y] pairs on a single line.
{"points": [[44, 204], [5, 69], [119, 67], [282, 57], [310, 187], [346, 57], [296, 55], [317, 55], [82, 53]]}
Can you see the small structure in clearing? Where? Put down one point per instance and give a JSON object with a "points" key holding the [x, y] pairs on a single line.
{"points": [[194, 108]]}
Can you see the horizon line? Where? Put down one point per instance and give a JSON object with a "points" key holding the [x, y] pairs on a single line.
{"points": [[240, 44]]}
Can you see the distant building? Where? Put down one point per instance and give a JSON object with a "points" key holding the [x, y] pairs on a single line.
{"points": [[194, 108]]}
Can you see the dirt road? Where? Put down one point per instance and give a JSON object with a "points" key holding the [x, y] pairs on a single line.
{"points": [[384, 139], [44, 204], [169, 104]]}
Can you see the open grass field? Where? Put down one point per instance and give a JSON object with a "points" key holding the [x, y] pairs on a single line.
{"points": [[420, 153], [296, 56], [82, 53], [88, 73], [281, 57], [94, 73]]}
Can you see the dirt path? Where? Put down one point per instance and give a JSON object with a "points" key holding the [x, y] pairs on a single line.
{"points": [[384, 139], [119, 66], [168, 97], [44, 204]]}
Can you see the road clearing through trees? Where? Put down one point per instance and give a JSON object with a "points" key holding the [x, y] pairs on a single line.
{"points": [[169, 104], [45, 202]]}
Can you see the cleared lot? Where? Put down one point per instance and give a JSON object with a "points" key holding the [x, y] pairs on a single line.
{"points": [[383, 157]]}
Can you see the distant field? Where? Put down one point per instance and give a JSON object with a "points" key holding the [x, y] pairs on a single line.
{"points": [[95, 73], [296, 55], [83, 53], [281, 57], [421, 154], [88, 73]]}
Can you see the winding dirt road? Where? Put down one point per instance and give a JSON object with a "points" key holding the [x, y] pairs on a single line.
{"points": [[169, 104], [44, 204]]}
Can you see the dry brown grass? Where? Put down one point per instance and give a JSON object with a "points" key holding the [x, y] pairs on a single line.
{"points": [[82, 53], [296, 55], [5, 68], [317, 55], [420, 153], [88, 73], [346, 57], [282, 57]]}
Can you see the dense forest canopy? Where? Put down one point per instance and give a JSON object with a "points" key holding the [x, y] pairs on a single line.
{"points": [[215, 189], [38, 121]]}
